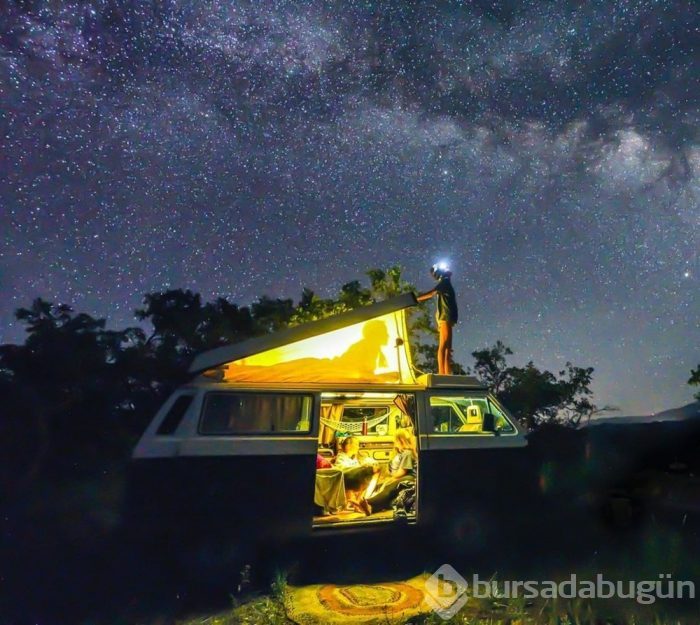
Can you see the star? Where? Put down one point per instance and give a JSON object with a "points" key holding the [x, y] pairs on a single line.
{"points": [[549, 149]]}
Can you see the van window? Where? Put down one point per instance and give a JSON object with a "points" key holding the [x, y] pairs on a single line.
{"points": [[467, 415], [501, 422], [255, 413], [373, 419], [174, 416]]}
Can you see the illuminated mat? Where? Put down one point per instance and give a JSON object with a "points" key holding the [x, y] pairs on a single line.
{"points": [[385, 603]]}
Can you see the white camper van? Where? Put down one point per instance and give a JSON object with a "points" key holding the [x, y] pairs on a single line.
{"points": [[249, 449]]}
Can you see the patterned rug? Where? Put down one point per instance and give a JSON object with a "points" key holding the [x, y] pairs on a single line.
{"points": [[386, 603]]}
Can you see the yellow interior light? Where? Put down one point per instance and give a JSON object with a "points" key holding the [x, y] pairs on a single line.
{"points": [[374, 351]]}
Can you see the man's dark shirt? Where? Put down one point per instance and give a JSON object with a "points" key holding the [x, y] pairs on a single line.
{"points": [[446, 301]]}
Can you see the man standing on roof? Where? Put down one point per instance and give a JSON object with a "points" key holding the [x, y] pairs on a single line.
{"points": [[446, 314]]}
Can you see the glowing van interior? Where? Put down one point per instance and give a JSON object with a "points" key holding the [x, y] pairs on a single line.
{"points": [[361, 437]]}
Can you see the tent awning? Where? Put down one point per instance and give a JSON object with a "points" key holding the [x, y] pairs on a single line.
{"points": [[368, 345]]}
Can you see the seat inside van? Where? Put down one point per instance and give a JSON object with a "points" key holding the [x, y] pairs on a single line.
{"points": [[475, 419]]}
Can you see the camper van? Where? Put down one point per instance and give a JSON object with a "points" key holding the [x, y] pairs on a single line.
{"points": [[247, 453]]}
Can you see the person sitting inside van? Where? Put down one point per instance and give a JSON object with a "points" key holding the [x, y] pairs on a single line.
{"points": [[323, 463], [356, 474], [401, 470]]}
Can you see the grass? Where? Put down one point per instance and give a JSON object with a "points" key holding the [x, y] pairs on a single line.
{"points": [[269, 610], [259, 611], [654, 550], [256, 610]]}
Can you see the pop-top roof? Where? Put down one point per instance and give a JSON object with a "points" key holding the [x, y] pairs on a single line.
{"points": [[365, 345]]}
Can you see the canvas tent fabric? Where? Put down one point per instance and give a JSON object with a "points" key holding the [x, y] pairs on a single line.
{"points": [[366, 345]]}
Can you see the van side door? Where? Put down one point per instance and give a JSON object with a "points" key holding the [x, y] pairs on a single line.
{"points": [[249, 460], [471, 451]]}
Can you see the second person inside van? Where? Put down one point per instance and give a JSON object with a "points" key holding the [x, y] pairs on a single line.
{"points": [[401, 471], [356, 474]]}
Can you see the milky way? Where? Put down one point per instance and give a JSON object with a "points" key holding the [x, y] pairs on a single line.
{"points": [[549, 150]]}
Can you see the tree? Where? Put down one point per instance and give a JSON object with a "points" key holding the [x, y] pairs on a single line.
{"points": [[695, 380], [70, 386], [175, 316], [224, 323], [311, 307], [491, 367], [389, 283], [271, 314], [183, 326], [536, 397]]}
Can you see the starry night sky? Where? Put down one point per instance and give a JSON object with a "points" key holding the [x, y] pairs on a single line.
{"points": [[549, 150]]}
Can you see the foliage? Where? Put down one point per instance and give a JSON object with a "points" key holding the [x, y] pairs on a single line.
{"points": [[695, 380], [491, 367], [261, 610], [537, 397], [311, 307], [182, 325], [73, 385], [279, 586]]}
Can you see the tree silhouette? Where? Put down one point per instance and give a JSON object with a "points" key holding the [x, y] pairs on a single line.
{"points": [[695, 380], [183, 326], [72, 384], [536, 397], [271, 314], [491, 366], [311, 307]]}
